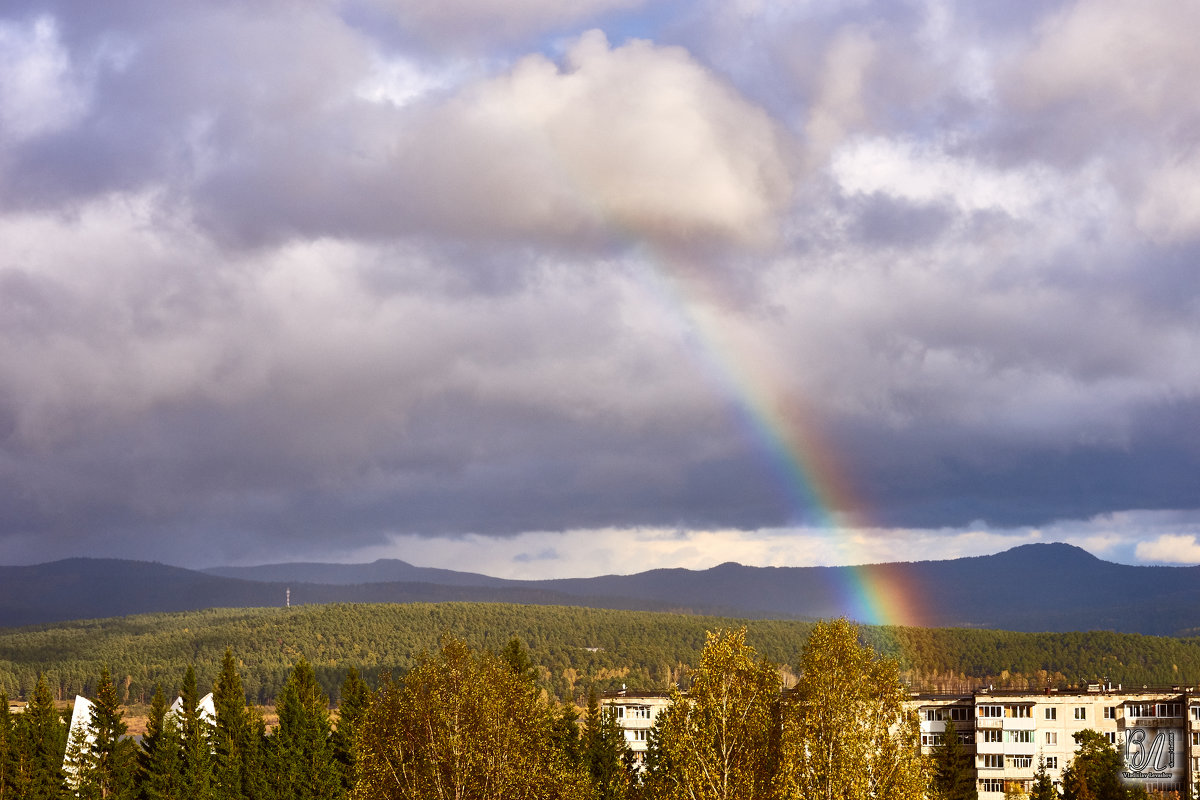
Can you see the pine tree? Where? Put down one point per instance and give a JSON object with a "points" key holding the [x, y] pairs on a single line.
{"points": [[351, 706], [1095, 771], [847, 731], [304, 765], [953, 770], [41, 737], [160, 761]]}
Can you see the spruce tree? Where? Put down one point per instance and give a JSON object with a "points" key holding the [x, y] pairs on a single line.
{"points": [[41, 737], [112, 756], [160, 760], [8, 751], [566, 736], [1043, 787], [304, 765], [237, 766], [953, 770], [196, 732], [604, 751], [351, 706]]}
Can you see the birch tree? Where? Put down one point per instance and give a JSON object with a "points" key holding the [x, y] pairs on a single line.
{"points": [[461, 727], [717, 742], [846, 732]]}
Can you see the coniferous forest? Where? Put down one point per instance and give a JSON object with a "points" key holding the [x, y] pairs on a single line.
{"points": [[573, 649]]}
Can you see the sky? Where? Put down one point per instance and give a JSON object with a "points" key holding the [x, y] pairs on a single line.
{"points": [[545, 289]]}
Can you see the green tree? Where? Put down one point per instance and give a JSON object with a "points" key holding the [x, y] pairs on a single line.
{"points": [[566, 736], [103, 761], [304, 765], [8, 751], [604, 751], [196, 732], [352, 704], [717, 742], [1043, 786], [41, 737], [237, 767], [846, 731], [160, 757], [461, 726], [516, 656], [953, 768], [1095, 771]]}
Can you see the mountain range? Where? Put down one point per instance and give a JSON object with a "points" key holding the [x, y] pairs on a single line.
{"points": [[1034, 587]]}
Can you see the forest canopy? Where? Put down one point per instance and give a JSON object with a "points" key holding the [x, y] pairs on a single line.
{"points": [[572, 649]]}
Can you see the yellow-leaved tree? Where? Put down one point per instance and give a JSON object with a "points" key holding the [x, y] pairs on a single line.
{"points": [[846, 732], [717, 741], [462, 726]]}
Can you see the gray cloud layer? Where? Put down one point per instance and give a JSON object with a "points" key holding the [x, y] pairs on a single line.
{"points": [[300, 277]]}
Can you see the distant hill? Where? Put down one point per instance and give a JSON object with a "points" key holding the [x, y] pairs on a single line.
{"points": [[1036, 587]]}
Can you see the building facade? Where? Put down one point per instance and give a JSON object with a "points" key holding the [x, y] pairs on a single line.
{"points": [[1156, 731], [635, 713]]}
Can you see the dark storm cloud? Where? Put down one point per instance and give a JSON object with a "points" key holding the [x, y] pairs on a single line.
{"points": [[307, 278]]}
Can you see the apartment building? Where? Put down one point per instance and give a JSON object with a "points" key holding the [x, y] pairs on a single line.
{"points": [[635, 713], [1157, 732]]}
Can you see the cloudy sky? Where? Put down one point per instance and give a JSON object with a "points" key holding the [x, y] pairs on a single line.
{"points": [[539, 288]]}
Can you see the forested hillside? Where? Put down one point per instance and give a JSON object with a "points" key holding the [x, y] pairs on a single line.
{"points": [[572, 647]]}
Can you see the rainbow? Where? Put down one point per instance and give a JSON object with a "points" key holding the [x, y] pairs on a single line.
{"points": [[803, 463]]}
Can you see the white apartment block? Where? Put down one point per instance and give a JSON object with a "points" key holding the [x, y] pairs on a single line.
{"points": [[1157, 732], [636, 713]]}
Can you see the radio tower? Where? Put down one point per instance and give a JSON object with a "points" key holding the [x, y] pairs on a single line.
{"points": [[287, 597]]}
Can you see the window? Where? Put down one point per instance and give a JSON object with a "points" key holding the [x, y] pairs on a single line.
{"points": [[1051, 762], [1080, 713], [1017, 711], [966, 737], [1111, 736], [1051, 713], [991, 711], [993, 761], [1051, 737], [1169, 710], [1020, 736], [932, 715], [991, 736], [1196, 740], [932, 739], [991, 785], [1110, 712], [1195, 712], [639, 712], [1021, 762], [638, 735], [620, 712]]}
